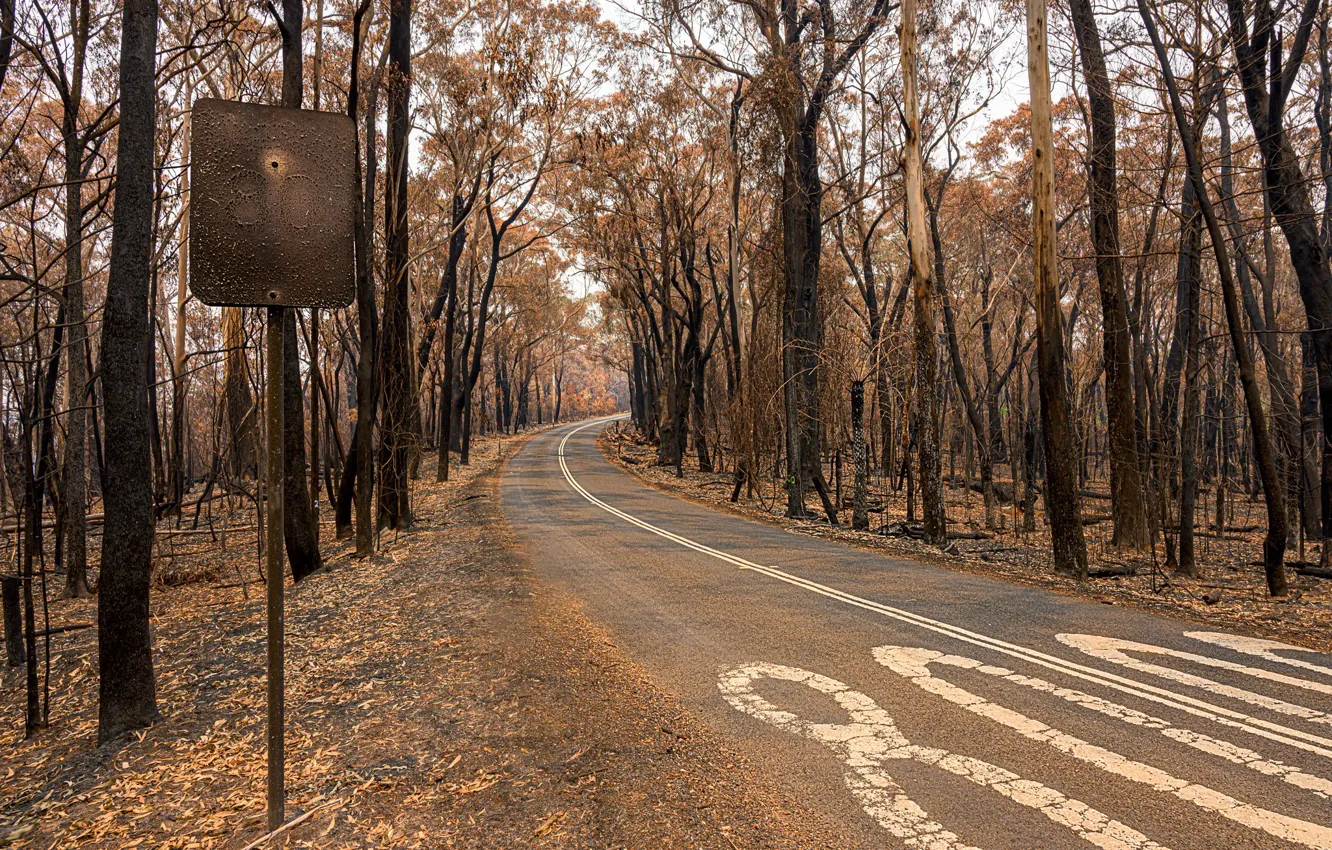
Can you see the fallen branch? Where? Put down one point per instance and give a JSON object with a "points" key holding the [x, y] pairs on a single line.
{"points": [[264, 839], [1316, 572], [50, 523], [1304, 568], [190, 532], [1112, 571], [1003, 492], [917, 532], [75, 627]]}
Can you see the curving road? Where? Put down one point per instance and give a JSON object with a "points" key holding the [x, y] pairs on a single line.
{"points": [[927, 708]]}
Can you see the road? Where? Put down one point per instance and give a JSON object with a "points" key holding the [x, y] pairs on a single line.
{"points": [[927, 708]]}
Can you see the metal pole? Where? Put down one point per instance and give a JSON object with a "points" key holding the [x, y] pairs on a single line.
{"points": [[276, 718]]}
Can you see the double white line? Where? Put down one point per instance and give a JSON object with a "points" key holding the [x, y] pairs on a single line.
{"points": [[1199, 708]]}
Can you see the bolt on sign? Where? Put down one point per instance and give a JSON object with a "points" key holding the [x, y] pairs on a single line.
{"points": [[271, 215]]}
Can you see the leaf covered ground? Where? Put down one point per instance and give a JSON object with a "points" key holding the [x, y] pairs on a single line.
{"points": [[1230, 594], [439, 695]]}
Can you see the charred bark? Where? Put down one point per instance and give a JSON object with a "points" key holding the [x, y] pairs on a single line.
{"points": [[127, 691], [398, 429], [1062, 501], [1128, 506]]}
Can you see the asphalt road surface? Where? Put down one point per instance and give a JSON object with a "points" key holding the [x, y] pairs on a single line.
{"points": [[927, 708]]}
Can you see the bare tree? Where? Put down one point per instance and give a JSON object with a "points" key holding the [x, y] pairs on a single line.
{"points": [[1274, 545], [399, 391], [128, 691], [922, 289], [1258, 55], [300, 523], [1063, 505], [1128, 505]]}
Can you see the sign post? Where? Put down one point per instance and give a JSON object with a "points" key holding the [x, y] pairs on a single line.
{"points": [[274, 570], [273, 195]]}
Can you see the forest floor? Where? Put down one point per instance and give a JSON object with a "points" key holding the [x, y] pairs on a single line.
{"points": [[1231, 593], [438, 695]]}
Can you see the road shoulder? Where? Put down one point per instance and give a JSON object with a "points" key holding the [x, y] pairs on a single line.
{"points": [[1228, 598], [439, 695]]}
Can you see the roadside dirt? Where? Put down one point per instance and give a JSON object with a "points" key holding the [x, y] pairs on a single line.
{"points": [[1230, 595], [438, 696]]}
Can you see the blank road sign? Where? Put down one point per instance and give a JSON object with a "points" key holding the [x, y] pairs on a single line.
{"points": [[271, 214]]}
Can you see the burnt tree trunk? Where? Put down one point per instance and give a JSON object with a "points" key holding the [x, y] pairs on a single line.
{"points": [[457, 241], [15, 655], [922, 288], [1063, 504], [1311, 504], [1274, 544], [1188, 446], [399, 405], [128, 691], [1166, 426], [238, 400], [860, 497], [6, 37], [802, 325], [300, 525], [1127, 505], [699, 411], [361, 455], [1285, 186], [979, 425], [74, 496]]}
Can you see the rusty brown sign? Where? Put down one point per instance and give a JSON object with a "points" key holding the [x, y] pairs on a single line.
{"points": [[271, 214]]}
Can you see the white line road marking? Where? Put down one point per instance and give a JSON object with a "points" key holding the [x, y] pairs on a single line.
{"points": [[872, 739], [912, 664], [1199, 708], [1264, 649], [1204, 743], [1116, 651]]}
